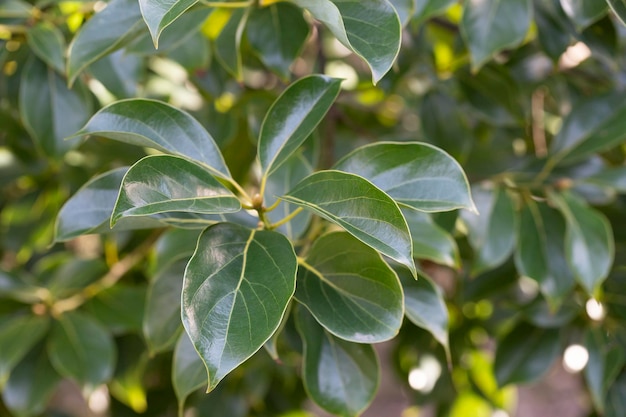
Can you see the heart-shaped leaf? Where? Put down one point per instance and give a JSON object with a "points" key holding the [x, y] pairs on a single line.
{"points": [[361, 208], [236, 290], [188, 371], [158, 125], [371, 29], [17, 336], [292, 118], [165, 183], [416, 175], [159, 14], [350, 290], [341, 377]]}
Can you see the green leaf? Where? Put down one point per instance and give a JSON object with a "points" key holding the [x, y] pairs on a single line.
{"points": [[174, 245], [611, 178], [404, 8], [277, 34], [616, 401], [492, 233], [489, 26], [188, 371], [429, 8], [164, 183], [119, 72], [361, 208], [589, 246], [17, 288], [228, 43], [140, 122], [593, 125], [584, 12], [159, 14], [619, 8], [416, 175], [49, 110], [604, 358], [236, 289], [292, 118], [350, 290], [371, 29], [120, 308], [431, 241], [17, 336], [81, 348], [554, 30], [339, 376], [162, 323], [48, 44], [74, 275], [108, 30], [525, 354]]}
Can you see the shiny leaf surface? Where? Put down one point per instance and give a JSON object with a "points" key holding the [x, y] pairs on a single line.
{"points": [[159, 14]]}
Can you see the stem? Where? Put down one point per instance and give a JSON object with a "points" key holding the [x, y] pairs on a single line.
{"points": [[273, 206], [228, 4], [246, 204], [287, 218]]}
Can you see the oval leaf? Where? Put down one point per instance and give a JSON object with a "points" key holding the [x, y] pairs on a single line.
{"points": [[236, 290], [358, 206], [292, 118], [416, 175], [48, 43], [431, 241], [341, 377], [350, 290], [158, 125], [188, 372], [159, 14], [164, 183], [17, 336]]}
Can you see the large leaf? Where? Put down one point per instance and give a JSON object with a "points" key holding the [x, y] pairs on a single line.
{"points": [[593, 125], [416, 175], [431, 241], [371, 29], [81, 348], [277, 34], [584, 12], [341, 377], [292, 118], [159, 14], [237, 287], [105, 32], [350, 290], [158, 125], [165, 183], [489, 26], [361, 208], [589, 246], [188, 371], [48, 43], [17, 336]]}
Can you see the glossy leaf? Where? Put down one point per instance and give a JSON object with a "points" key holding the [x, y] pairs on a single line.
{"points": [[237, 287], [416, 175], [350, 290], [292, 118], [158, 125], [228, 43], [431, 241], [165, 183], [48, 44], [17, 336], [489, 26], [339, 376], [583, 12], [159, 14], [427, 8], [188, 371], [525, 354], [360, 208], [108, 30], [492, 233], [589, 245], [277, 34], [371, 29], [619, 8], [80, 348]]}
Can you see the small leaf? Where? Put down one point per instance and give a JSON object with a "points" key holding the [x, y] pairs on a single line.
{"points": [[81, 348], [619, 8], [164, 183], [358, 206], [188, 371], [17, 336], [292, 118], [159, 14], [158, 125], [108, 30], [416, 175], [339, 376], [350, 290], [48, 44], [589, 246], [584, 12], [489, 26], [431, 241], [371, 29], [236, 290], [228, 43]]}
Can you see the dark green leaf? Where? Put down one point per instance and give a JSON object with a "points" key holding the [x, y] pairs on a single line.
{"points": [[237, 287], [292, 118], [119, 72], [604, 358], [531, 252], [619, 8], [616, 402], [164, 183], [431, 241], [429, 8], [341, 377], [81, 348], [228, 43], [120, 308], [554, 30], [74, 275], [16, 287], [350, 290], [584, 12], [174, 245], [489, 26], [188, 372], [159, 14], [361, 208], [48, 43], [416, 175], [525, 354]]}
